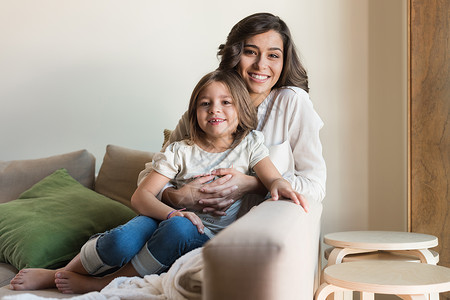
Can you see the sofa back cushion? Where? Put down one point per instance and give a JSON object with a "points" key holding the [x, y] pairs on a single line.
{"points": [[117, 178], [19, 175]]}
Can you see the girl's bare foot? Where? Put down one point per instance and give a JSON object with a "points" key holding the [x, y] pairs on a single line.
{"points": [[73, 283], [33, 279]]}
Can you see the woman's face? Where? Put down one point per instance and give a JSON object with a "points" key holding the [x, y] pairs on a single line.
{"points": [[261, 64]]}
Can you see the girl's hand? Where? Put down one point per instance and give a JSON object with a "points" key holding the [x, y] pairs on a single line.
{"points": [[192, 217], [281, 187]]}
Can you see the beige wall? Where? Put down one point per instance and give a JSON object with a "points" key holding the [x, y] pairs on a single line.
{"points": [[387, 115], [84, 74]]}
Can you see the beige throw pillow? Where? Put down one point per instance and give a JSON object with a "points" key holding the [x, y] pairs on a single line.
{"points": [[117, 178]]}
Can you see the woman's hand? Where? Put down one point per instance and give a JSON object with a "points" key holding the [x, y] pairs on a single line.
{"points": [[231, 186], [191, 217], [186, 196], [281, 187], [214, 197], [191, 196]]}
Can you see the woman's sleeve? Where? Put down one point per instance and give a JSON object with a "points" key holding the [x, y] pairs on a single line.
{"points": [[180, 132], [310, 169]]}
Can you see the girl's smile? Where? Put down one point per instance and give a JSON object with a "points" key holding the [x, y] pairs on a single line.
{"points": [[216, 121]]}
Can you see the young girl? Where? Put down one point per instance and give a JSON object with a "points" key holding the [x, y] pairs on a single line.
{"points": [[222, 119]]}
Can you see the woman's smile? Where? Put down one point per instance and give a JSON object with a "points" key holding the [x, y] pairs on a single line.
{"points": [[258, 77]]}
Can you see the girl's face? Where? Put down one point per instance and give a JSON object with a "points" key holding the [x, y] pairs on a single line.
{"points": [[261, 64], [216, 112]]}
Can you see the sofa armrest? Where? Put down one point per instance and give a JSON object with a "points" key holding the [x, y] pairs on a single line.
{"points": [[270, 253]]}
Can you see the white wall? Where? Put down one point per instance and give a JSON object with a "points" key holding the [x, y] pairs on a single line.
{"points": [[86, 73]]}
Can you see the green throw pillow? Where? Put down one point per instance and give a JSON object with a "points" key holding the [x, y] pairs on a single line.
{"points": [[49, 223]]}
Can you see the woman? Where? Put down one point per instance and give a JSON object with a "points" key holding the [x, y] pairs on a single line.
{"points": [[261, 50]]}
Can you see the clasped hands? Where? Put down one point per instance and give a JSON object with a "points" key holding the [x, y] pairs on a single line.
{"points": [[214, 193], [211, 193]]}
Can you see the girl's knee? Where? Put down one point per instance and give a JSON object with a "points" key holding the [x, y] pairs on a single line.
{"points": [[173, 238], [177, 233], [120, 244], [114, 249], [178, 227]]}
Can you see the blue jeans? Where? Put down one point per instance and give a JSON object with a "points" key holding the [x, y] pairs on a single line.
{"points": [[151, 245]]}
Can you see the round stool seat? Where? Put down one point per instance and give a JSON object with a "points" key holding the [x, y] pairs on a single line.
{"points": [[389, 277], [381, 240], [382, 255]]}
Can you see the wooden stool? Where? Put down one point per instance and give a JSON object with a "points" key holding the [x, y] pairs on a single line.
{"points": [[405, 279], [409, 243], [387, 245], [383, 255]]}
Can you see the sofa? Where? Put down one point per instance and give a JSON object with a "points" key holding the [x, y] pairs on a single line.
{"points": [[271, 252]]}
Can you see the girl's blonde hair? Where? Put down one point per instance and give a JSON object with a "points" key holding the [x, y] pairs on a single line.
{"points": [[246, 112]]}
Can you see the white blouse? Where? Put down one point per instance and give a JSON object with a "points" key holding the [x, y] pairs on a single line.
{"points": [[291, 129]]}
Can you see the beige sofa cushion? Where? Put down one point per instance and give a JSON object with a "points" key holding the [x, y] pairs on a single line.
{"points": [[7, 272], [47, 293], [19, 175], [117, 178]]}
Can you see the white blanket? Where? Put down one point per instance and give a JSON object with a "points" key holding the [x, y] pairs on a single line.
{"points": [[183, 281]]}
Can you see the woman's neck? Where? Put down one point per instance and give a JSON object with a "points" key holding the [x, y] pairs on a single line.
{"points": [[257, 99]]}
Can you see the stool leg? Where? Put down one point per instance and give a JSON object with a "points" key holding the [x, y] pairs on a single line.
{"points": [[326, 290], [348, 295], [413, 297], [344, 295], [323, 291], [434, 296], [425, 255], [338, 254], [336, 257], [367, 296]]}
